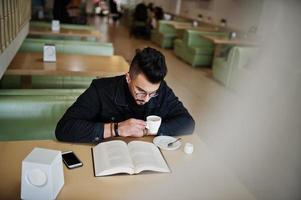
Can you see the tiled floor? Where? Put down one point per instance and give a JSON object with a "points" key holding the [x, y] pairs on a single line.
{"points": [[194, 86]]}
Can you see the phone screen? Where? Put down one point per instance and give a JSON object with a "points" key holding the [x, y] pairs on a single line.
{"points": [[71, 160]]}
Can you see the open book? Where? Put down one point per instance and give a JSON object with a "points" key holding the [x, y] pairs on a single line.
{"points": [[116, 156]]}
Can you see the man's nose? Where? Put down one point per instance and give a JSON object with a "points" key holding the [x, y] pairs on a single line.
{"points": [[146, 98]]}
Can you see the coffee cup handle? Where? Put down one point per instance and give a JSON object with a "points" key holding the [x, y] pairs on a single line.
{"points": [[147, 126]]}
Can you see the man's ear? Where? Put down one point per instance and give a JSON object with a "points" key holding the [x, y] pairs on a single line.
{"points": [[127, 77]]}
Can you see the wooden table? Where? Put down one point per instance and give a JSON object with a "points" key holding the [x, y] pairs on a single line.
{"points": [[83, 33], [182, 26], [196, 176], [197, 28], [220, 41], [27, 64], [178, 24], [187, 25]]}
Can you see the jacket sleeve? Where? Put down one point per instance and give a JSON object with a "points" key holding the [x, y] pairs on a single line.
{"points": [[177, 120], [78, 123]]}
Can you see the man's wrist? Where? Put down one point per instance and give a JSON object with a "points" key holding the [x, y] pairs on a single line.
{"points": [[112, 129], [107, 131]]}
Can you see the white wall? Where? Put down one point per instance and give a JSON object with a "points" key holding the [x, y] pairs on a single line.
{"points": [[240, 14], [257, 132], [167, 5]]}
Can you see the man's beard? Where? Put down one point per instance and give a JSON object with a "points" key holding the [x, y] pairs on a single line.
{"points": [[140, 102]]}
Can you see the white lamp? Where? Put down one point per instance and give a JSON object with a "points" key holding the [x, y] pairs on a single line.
{"points": [[42, 174]]}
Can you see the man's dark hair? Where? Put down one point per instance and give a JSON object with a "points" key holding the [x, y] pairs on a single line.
{"points": [[151, 63]]}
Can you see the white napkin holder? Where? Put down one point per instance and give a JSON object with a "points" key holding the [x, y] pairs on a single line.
{"points": [[49, 53], [42, 174], [55, 26]]}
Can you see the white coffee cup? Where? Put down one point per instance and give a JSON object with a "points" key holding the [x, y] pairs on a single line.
{"points": [[153, 123]]}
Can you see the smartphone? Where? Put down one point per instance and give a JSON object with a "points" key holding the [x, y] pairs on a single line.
{"points": [[71, 160]]}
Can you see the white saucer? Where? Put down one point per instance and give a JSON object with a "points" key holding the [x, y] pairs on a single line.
{"points": [[162, 141]]}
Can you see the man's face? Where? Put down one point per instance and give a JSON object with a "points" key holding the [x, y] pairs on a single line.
{"points": [[141, 89]]}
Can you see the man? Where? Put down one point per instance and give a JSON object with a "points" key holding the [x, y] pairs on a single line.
{"points": [[118, 106]]}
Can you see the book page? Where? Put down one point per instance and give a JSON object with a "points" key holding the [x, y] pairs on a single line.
{"points": [[146, 156], [112, 157]]}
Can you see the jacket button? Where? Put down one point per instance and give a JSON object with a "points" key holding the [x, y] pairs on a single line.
{"points": [[96, 139]]}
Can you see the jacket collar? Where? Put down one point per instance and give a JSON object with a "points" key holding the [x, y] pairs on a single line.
{"points": [[121, 98]]}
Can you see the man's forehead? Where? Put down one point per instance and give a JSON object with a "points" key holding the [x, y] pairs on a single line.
{"points": [[143, 83]]}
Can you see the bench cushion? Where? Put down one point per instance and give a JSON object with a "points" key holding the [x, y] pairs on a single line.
{"points": [[29, 114]]}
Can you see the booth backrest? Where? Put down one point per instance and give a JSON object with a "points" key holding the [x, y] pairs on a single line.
{"points": [[193, 38], [240, 65], [29, 114], [166, 29], [246, 54], [234, 67]]}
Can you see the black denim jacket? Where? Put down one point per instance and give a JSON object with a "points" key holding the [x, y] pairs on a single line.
{"points": [[109, 100]]}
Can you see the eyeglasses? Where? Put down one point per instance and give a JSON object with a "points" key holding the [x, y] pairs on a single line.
{"points": [[142, 95]]}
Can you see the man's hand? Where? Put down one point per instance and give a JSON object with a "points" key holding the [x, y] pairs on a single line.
{"points": [[131, 128]]}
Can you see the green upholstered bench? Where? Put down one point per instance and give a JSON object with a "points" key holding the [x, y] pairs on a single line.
{"points": [[29, 114], [164, 34], [194, 49], [69, 46], [233, 69], [241, 70]]}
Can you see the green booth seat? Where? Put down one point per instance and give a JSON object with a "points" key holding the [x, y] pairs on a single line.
{"points": [[241, 70], [194, 49], [222, 64], [68, 46], [164, 34], [32, 114], [233, 69]]}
